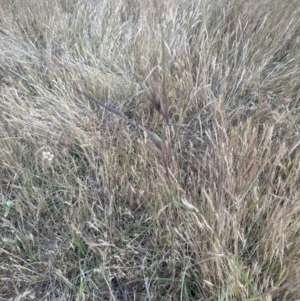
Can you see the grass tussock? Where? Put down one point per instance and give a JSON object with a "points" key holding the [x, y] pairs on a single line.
{"points": [[149, 151]]}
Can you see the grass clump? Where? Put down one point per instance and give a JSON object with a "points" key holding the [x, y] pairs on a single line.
{"points": [[149, 151]]}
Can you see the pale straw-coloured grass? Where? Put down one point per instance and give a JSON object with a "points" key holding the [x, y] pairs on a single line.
{"points": [[149, 151]]}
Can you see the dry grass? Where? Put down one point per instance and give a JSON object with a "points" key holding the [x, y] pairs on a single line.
{"points": [[192, 192]]}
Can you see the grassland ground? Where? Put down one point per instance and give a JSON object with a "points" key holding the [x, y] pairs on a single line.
{"points": [[150, 150]]}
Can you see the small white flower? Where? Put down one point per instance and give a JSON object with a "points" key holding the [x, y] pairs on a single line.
{"points": [[85, 120], [47, 159]]}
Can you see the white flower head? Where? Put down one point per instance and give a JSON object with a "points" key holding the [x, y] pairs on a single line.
{"points": [[47, 159]]}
